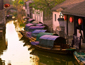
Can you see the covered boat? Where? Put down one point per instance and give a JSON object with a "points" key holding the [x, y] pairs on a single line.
{"points": [[54, 44], [31, 24], [32, 34], [27, 26], [80, 57], [36, 32], [30, 20], [41, 34], [32, 28], [50, 40], [39, 24]]}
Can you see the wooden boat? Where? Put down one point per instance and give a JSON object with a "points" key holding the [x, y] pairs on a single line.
{"points": [[50, 43], [80, 57], [35, 36], [53, 44], [32, 26], [31, 35]]}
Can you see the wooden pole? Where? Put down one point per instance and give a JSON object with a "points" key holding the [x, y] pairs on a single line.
{"points": [[67, 25]]}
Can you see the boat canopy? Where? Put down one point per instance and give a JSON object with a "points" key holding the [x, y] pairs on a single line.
{"points": [[36, 32], [36, 27], [30, 20], [39, 24], [50, 40], [29, 24], [41, 34]]}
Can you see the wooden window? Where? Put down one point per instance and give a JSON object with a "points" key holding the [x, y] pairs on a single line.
{"points": [[1, 4], [55, 17]]}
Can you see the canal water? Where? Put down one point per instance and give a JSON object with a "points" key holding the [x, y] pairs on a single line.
{"points": [[16, 50]]}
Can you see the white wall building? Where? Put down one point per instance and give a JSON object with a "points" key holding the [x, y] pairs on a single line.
{"points": [[38, 15], [27, 8]]}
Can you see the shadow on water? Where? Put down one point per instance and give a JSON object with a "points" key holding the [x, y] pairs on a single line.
{"points": [[45, 58], [19, 52], [53, 59], [3, 45]]}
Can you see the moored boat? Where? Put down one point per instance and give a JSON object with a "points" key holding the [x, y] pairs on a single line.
{"points": [[53, 44], [80, 57]]}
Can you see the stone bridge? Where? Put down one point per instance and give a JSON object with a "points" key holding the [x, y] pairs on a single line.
{"points": [[10, 8]]}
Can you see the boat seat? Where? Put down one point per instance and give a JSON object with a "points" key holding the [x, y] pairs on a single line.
{"points": [[56, 49], [57, 46]]}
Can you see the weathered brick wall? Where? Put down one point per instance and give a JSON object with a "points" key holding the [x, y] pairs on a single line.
{"points": [[1, 4], [49, 24], [2, 17]]}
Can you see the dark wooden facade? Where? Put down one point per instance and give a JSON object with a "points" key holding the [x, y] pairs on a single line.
{"points": [[77, 40]]}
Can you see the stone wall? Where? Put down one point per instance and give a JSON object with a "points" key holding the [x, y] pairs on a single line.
{"points": [[60, 30], [49, 24], [2, 18]]}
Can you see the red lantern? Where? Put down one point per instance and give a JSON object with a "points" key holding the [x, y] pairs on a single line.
{"points": [[65, 17], [71, 19], [6, 5], [80, 21]]}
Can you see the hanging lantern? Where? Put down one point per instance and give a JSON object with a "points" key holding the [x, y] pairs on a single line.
{"points": [[80, 21], [6, 5], [65, 17], [71, 19]]}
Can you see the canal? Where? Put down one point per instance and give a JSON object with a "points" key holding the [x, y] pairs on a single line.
{"points": [[16, 50]]}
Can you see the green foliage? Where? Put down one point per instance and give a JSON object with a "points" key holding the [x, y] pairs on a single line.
{"points": [[22, 25], [21, 2], [18, 2], [45, 5]]}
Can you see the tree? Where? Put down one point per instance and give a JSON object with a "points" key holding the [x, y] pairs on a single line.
{"points": [[45, 5], [19, 5], [18, 2]]}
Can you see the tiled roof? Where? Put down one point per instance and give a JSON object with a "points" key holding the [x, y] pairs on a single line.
{"points": [[67, 4], [78, 10]]}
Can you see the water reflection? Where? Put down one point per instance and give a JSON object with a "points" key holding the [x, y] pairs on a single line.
{"points": [[19, 52], [53, 59], [16, 54], [3, 42], [45, 58], [2, 62]]}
